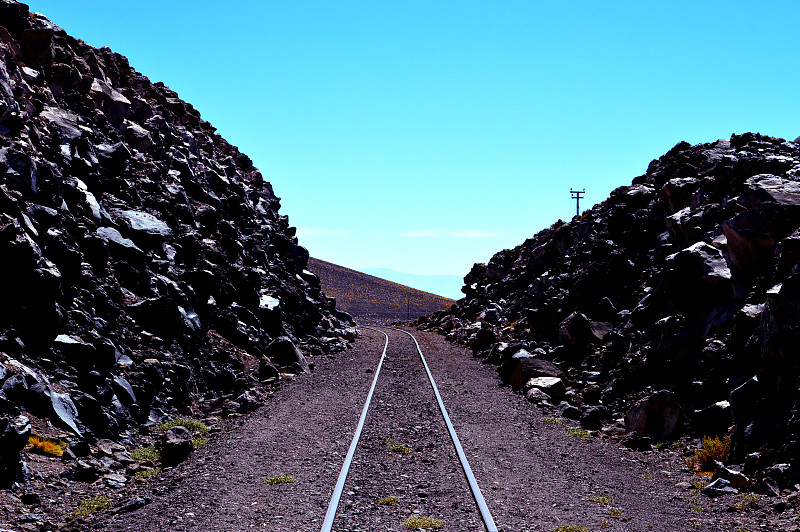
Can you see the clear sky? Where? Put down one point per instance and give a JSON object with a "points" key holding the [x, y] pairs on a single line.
{"points": [[424, 136]]}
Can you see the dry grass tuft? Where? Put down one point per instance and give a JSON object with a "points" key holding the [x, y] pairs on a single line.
{"points": [[419, 521], [400, 448], [278, 479], [713, 449], [602, 499], [46, 446]]}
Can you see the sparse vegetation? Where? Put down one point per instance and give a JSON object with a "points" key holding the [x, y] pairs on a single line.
{"points": [[578, 432], [419, 521], [197, 427], [387, 501], [400, 448], [712, 449], [570, 528], [197, 442], [89, 506], [146, 454], [697, 485], [615, 512], [48, 446], [278, 479], [695, 524], [146, 473], [746, 500], [602, 499], [553, 420]]}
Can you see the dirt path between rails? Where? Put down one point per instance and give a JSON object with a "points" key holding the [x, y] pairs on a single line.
{"points": [[533, 475]]}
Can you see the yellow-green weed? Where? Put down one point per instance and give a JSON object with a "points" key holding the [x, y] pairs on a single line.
{"points": [[419, 521], [89, 506], [278, 479]]}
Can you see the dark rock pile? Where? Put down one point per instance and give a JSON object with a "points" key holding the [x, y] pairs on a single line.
{"points": [[144, 268], [674, 306]]}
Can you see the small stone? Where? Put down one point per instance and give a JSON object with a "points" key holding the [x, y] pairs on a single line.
{"points": [[114, 480], [719, 487]]}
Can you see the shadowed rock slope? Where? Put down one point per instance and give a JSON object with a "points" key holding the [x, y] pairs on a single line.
{"points": [[371, 299], [145, 269], [674, 305]]}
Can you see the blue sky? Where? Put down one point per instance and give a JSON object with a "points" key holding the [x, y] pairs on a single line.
{"points": [[424, 136]]}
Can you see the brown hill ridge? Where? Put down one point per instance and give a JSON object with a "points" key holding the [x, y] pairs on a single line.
{"points": [[371, 299]]}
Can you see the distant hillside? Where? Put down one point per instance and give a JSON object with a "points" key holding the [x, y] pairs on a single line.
{"points": [[371, 299], [443, 285]]}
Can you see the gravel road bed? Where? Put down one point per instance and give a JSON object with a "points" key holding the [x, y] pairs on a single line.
{"points": [[304, 432], [533, 475], [405, 455]]}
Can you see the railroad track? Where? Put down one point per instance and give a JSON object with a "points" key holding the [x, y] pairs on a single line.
{"points": [[335, 500]]}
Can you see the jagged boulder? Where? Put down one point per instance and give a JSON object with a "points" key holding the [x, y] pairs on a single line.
{"points": [[145, 262], [691, 270], [176, 446], [287, 355], [697, 282], [656, 416], [14, 434]]}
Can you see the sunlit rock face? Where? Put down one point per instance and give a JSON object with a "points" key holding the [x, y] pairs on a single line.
{"points": [[144, 266], [684, 285]]}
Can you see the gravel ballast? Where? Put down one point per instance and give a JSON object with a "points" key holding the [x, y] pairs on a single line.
{"points": [[533, 475]]}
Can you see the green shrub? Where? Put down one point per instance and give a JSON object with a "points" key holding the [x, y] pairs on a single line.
{"points": [[578, 432], [89, 506], [146, 454], [197, 427]]}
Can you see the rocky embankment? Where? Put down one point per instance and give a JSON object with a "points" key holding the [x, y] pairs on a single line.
{"points": [[145, 268], [674, 305]]}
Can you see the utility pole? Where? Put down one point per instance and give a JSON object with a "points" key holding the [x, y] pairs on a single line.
{"points": [[576, 195]]}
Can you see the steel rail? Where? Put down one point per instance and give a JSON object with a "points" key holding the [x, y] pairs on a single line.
{"points": [[327, 524], [486, 515]]}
